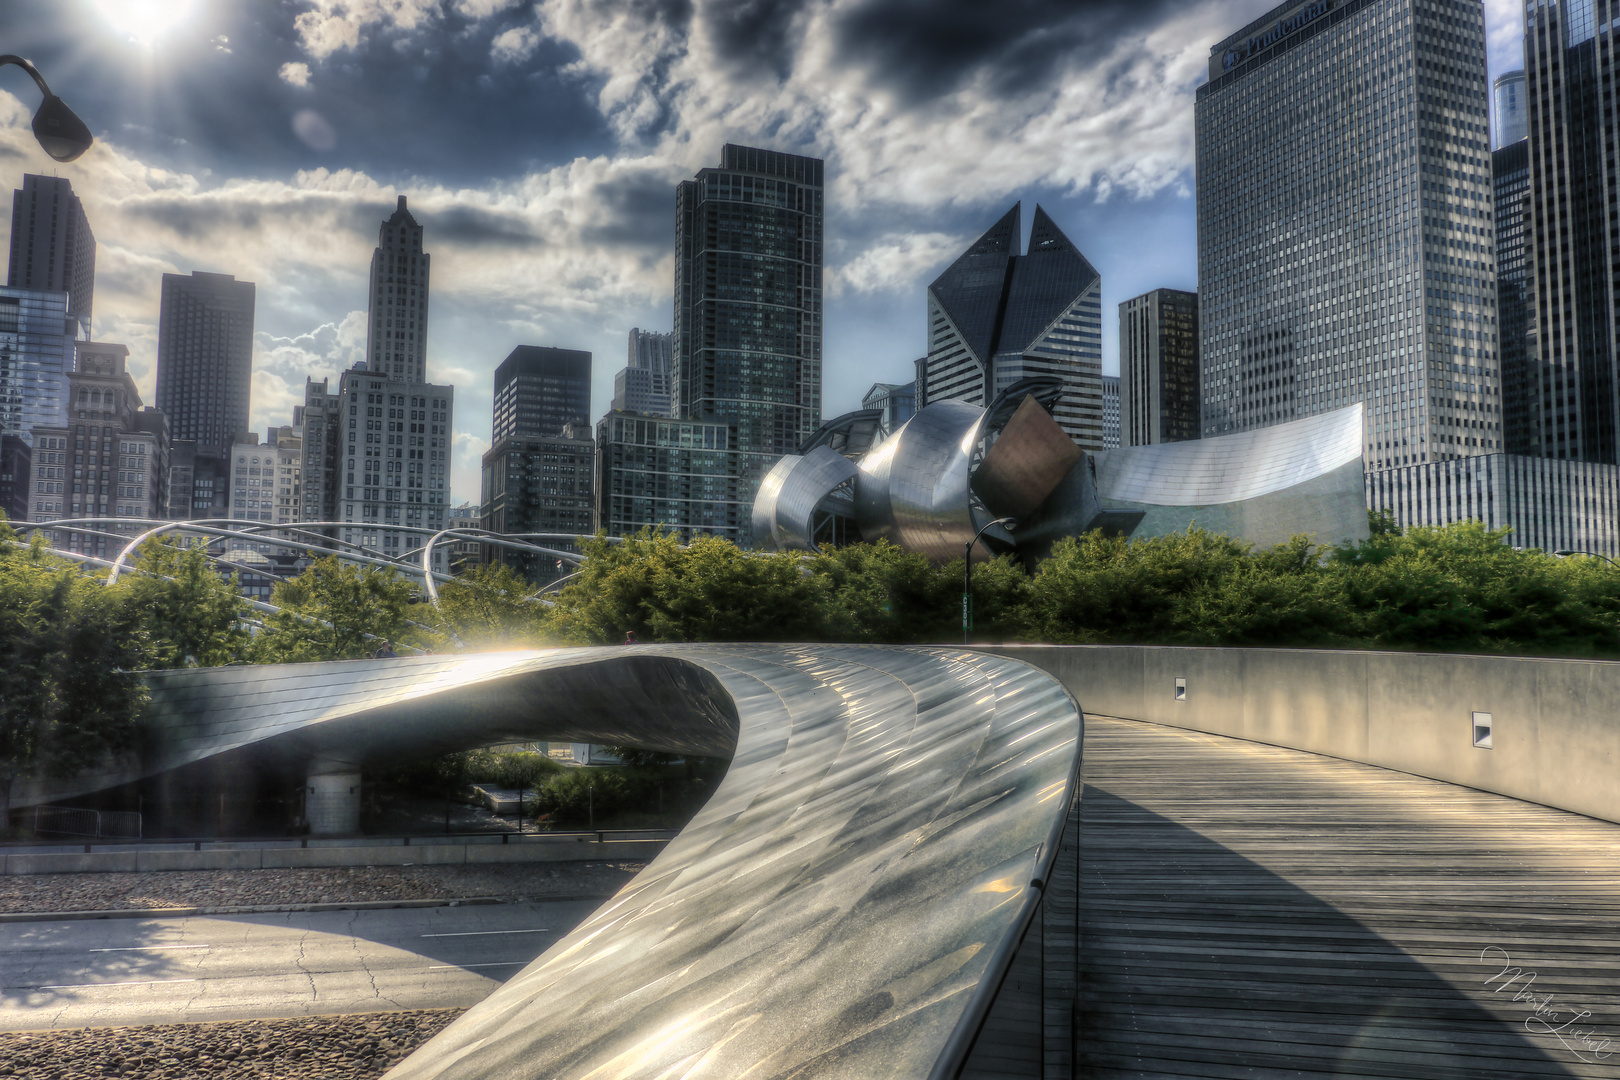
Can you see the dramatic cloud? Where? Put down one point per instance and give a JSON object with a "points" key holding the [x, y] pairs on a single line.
{"points": [[515, 45], [335, 25], [540, 141], [895, 261]]}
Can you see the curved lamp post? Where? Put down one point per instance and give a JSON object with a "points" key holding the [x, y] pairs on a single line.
{"points": [[1571, 551], [967, 575], [58, 128]]}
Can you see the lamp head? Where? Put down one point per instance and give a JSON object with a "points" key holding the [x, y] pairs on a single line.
{"points": [[60, 131]]}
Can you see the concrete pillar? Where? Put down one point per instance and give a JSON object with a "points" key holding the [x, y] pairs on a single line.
{"points": [[332, 798]]}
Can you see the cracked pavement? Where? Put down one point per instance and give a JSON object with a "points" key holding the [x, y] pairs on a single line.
{"points": [[93, 973]]}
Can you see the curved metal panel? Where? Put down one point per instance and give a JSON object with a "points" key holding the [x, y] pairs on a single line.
{"points": [[846, 905], [919, 476], [763, 516], [785, 509], [1229, 468], [851, 434]]}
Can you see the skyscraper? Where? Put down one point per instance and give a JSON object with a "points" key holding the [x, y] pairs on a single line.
{"points": [[643, 386], [538, 484], [1515, 300], [995, 317], [386, 459], [1110, 389], [52, 247], [1574, 213], [679, 476], [748, 311], [1158, 368], [1345, 246], [539, 390], [1512, 119], [205, 358], [37, 342], [396, 331]]}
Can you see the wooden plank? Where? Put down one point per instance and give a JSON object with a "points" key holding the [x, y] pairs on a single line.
{"points": [[1249, 911]]}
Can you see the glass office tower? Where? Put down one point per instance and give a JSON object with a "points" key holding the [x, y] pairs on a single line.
{"points": [[1575, 218], [1515, 300], [748, 262], [1345, 232], [1158, 368]]}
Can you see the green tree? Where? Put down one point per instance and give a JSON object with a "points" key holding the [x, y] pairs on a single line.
{"points": [[334, 610], [190, 613], [68, 647], [706, 591], [489, 607]]}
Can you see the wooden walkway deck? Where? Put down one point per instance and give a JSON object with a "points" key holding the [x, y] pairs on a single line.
{"points": [[1254, 912]]}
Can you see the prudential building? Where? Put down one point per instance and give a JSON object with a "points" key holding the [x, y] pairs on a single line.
{"points": [[1345, 230]]}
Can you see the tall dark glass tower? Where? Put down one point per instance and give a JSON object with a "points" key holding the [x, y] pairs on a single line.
{"points": [[748, 302], [995, 317], [205, 358], [1158, 368], [1574, 167], [52, 247], [1515, 300], [538, 390]]}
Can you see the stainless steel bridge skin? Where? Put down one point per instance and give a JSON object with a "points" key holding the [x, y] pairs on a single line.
{"points": [[888, 862]]}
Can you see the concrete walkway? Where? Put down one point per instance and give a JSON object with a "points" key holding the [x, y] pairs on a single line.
{"points": [[1249, 911], [145, 971]]}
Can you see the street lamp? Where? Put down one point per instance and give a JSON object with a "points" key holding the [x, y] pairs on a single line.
{"points": [[1595, 555], [57, 127], [967, 575]]}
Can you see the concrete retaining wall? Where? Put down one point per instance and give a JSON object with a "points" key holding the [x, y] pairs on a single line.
{"points": [[1555, 723], [353, 854]]}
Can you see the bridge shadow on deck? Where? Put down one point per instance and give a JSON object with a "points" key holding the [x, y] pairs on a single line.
{"points": [[1349, 944]]}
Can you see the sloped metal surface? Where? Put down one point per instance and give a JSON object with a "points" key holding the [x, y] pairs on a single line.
{"points": [[1230, 468], [845, 906]]}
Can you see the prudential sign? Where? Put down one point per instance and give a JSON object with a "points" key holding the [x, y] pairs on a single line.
{"points": [[1261, 42]]}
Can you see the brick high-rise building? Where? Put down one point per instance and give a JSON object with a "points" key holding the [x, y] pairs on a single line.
{"points": [[396, 330]]}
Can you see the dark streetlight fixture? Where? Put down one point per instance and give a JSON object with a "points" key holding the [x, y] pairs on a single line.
{"points": [[1571, 551], [967, 575], [57, 127]]}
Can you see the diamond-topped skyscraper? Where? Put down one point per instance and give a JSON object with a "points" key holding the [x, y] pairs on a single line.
{"points": [[995, 317]]}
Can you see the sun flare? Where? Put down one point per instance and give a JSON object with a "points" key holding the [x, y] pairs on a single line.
{"points": [[145, 22]]}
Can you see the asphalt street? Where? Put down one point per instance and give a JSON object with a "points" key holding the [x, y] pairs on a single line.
{"points": [[147, 971]]}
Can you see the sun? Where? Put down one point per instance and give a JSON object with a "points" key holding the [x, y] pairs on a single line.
{"points": [[144, 22]]}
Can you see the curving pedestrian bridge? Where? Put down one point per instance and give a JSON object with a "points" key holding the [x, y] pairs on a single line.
{"points": [[1285, 863], [851, 901]]}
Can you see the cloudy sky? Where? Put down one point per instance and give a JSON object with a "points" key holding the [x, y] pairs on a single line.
{"points": [[539, 144]]}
